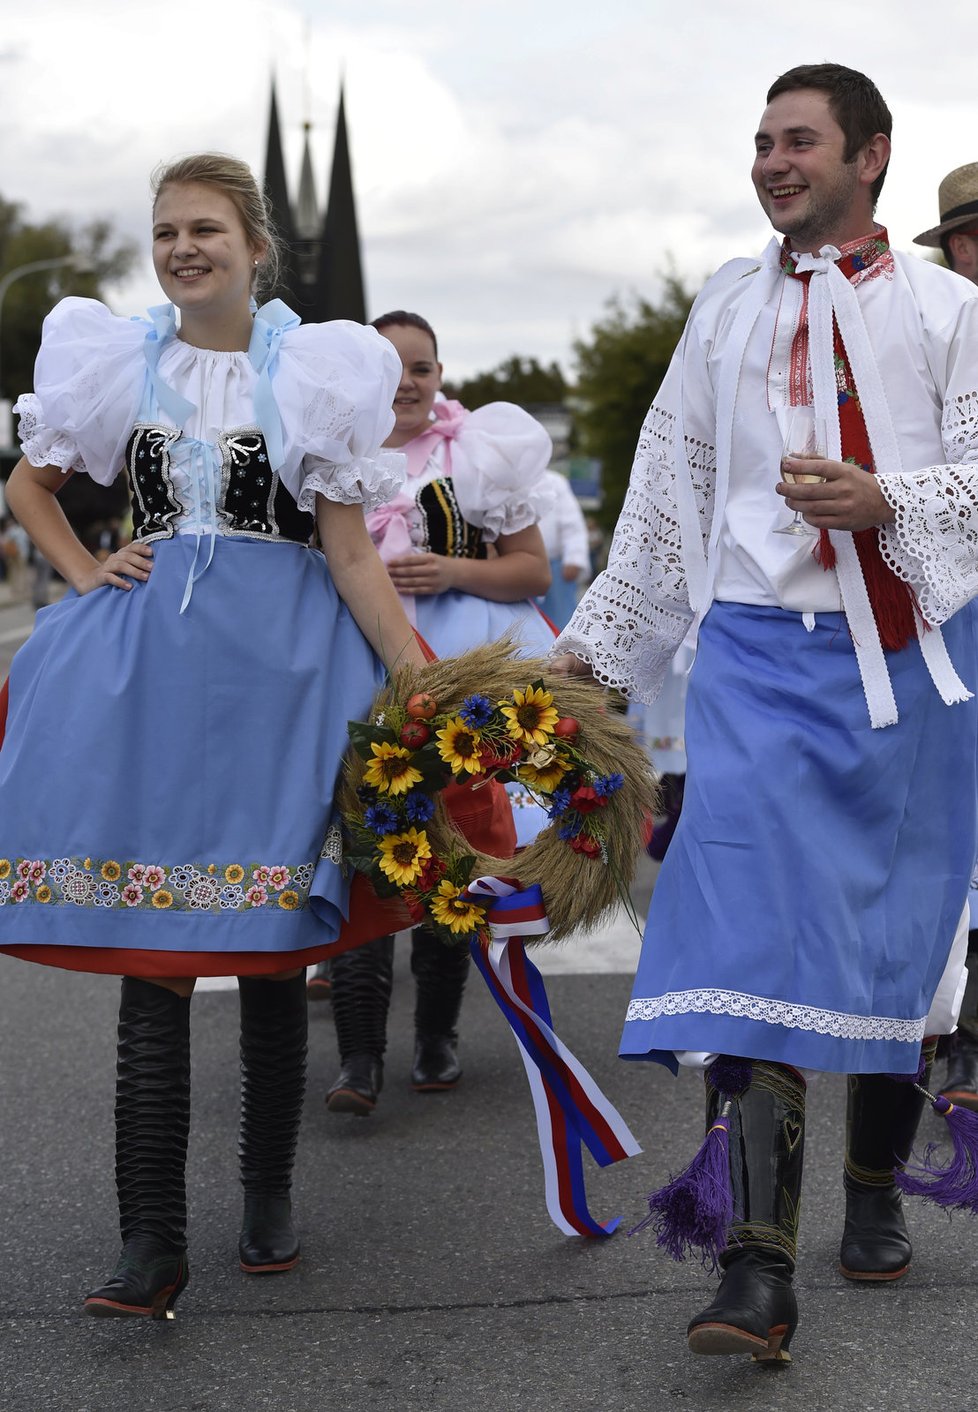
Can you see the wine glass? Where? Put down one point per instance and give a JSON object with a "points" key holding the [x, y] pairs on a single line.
{"points": [[803, 437]]}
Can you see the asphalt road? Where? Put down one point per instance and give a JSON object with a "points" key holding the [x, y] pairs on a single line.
{"points": [[431, 1276]]}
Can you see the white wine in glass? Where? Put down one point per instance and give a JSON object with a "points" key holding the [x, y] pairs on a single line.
{"points": [[804, 438]]}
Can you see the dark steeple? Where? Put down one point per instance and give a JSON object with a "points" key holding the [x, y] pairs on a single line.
{"points": [[277, 191], [323, 276], [339, 286]]}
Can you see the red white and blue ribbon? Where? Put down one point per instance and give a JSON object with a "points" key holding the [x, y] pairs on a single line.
{"points": [[570, 1108]]}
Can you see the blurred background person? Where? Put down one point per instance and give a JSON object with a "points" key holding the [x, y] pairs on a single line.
{"points": [[565, 538], [956, 235]]}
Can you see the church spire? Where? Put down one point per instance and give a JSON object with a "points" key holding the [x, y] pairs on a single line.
{"points": [[307, 207], [340, 293], [277, 192]]}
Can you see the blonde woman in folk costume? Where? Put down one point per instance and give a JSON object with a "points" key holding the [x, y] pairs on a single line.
{"points": [[177, 724]]}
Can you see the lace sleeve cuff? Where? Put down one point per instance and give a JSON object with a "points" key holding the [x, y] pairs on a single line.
{"points": [[933, 543], [369, 481], [627, 637], [41, 445]]}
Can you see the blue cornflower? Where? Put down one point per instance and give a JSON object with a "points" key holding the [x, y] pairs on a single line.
{"points": [[419, 807], [476, 710], [380, 819], [605, 785], [559, 801], [572, 827]]}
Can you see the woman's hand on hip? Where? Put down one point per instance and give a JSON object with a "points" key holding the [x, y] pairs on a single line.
{"points": [[133, 561]]}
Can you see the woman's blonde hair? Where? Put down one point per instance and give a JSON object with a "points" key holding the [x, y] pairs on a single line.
{"points": [[237, 182]]}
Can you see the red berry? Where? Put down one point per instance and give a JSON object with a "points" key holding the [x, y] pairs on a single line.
{"points": [[568, 728]]}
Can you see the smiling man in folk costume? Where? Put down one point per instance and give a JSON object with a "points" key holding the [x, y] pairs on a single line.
{"points": [[805, 913]]}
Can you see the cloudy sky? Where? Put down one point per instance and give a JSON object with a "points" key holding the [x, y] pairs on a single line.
{"points": [[516, 164]]}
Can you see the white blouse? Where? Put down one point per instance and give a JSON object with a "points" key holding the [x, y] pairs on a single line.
{"points": [[333, 385]]}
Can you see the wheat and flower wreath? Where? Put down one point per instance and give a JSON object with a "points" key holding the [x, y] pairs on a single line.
{"points": [[494, 715]]}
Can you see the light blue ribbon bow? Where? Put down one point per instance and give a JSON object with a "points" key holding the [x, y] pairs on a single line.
{"points": [[164, 321], [271, 322]]}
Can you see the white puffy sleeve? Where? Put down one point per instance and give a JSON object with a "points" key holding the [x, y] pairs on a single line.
{"points": [[334, 388], [88, 382], [933, 542], [634, 616], [498, 461]]}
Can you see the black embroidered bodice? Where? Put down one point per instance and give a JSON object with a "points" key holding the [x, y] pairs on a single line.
{"points": [[251, 500], [444, 530]]}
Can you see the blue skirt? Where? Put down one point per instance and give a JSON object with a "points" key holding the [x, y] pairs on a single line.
{"points": [[807, 903], [453, 623], [167, 779]]}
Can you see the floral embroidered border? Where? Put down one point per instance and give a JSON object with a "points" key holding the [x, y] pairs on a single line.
{"points": [[793, 1016], [212, 887]]}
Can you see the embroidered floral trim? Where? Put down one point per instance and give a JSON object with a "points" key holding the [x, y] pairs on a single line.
{"points": [[121, 886], [332, 849], [740, 1006]]}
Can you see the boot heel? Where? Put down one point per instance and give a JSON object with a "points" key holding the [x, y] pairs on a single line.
{"points": [[163, 1305], [776, 1355]]}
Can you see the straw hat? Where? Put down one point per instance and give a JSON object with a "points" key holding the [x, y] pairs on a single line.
{"points": [[957, 201]]}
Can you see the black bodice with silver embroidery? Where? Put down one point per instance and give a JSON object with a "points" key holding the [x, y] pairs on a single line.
{"points": [[251, 500]]}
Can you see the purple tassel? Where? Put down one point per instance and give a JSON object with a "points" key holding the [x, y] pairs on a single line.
{"points": [[730, 1075], [952, 1184], [692, 1215]]}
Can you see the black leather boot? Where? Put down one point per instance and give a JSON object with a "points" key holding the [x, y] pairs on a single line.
{"points": [[755, 1310], [882, 1117], [152, 1115], [273, 1082], [440, 971], [361, 995], [961, 1084]]}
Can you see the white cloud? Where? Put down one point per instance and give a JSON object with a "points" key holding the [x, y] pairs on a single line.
{"points": [[515, 164]]}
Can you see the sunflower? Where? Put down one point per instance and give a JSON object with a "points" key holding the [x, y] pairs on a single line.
{"points": [[403, 855], [111, 871], [391, 771], [4, 867], [450, 909], [233, 873], [162, 898], [458, 746], [546, 777], [288, 900], [43, 893], [533, 717]]}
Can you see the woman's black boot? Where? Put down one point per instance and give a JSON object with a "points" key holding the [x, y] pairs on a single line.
{"points": [[152, 1114], [882, 1117], [361, 995], [755, 1310], [273, 1083], [440, 971]]}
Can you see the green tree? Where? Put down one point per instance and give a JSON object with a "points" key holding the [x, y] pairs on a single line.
{"points": [[619, 369], [103, 254], [524, 381]]}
